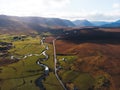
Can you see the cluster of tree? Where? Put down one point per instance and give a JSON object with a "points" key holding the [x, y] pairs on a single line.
{"points": [[4, 46]]}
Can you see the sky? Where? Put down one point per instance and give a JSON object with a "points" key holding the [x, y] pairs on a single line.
{"points": [[93, 10]]}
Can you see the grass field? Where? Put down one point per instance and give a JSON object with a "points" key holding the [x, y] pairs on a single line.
{"points": [[22, 74], [72, 78]]}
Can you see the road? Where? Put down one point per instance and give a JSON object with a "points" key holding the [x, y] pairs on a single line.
{"points": [[55, 66]]}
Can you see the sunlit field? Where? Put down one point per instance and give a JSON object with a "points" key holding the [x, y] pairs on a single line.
{"points": [[21, 75]]}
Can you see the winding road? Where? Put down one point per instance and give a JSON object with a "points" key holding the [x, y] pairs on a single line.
{"points": [[55, 66]]}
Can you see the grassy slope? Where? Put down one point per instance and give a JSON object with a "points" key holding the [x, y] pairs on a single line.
{"points": [[81, 80], [94, 58], [67, 73]]}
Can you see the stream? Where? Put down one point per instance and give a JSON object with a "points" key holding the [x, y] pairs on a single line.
{"points": [[38, 82]]}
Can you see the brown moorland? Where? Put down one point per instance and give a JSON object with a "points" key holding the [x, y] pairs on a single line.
{"points": [[97, 56], [94, 58]]}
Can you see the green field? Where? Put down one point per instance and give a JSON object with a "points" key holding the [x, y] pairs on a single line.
{"points": [[22, 74], [80, 80]]}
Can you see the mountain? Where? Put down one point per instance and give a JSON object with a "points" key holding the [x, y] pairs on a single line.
{"points": [[10, 24], [59, 22], [113, 24], [82, 23], [99, 23], [48, 22], [118, 21], [14, 24]]}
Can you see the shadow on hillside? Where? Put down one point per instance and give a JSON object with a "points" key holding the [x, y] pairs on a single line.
{"points": [[82, 35], [92, 36]]}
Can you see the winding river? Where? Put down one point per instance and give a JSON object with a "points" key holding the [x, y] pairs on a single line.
{"points": [[38, 82], [46, 68]]}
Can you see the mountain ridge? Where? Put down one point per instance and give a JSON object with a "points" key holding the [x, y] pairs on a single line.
{"points": [[36, 24], [82, 23]]}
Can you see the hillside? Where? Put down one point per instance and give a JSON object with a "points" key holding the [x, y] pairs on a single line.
{"points": [[82, 23], [88, 58], [30, 25], [97, 54], [99, 23], [10, 25], [94, 58], [13, 24], [113, 24]]}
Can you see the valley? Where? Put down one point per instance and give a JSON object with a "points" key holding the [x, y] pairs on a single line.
{"points": [[54, 54]]}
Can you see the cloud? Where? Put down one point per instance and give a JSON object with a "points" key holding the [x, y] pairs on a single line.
{"points": [[103, 17], [116, 5], [57, 9], [56, 4], [92, 16], [31, 7]]}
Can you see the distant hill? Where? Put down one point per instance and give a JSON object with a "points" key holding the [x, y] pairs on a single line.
{"points": [[14, 24], [118, 21], [11, 24], [86, 23], [113, 24], [82, 23], [99, 23], [49, 22]]}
